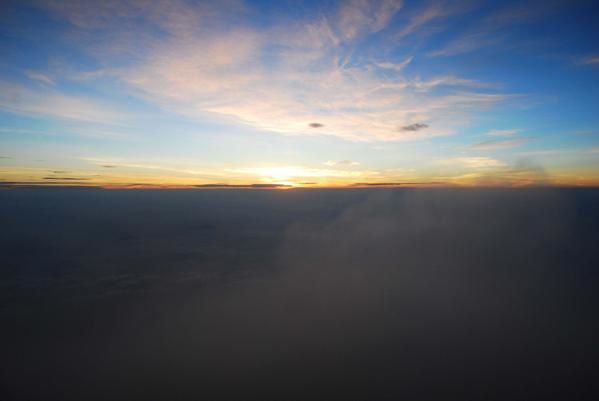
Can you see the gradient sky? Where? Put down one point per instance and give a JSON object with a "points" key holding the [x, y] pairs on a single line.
{"points": [[303, 93]]}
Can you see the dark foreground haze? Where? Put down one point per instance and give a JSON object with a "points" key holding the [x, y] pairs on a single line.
{"points": [[386, 294]]}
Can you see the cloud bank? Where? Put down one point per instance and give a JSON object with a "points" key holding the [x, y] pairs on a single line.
{"points": [[303, 76]]}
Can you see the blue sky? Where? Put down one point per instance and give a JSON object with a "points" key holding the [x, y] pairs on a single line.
{"points": [[300, 93]]}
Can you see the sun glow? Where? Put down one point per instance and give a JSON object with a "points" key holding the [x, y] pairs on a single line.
{"points": [[289, 175], [285, 172]]}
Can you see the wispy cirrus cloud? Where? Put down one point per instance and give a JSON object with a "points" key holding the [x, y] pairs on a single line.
{"points": [[111, 162], [297, 172], [502, 132], [289, 77], [40, 77], [247, 186], [51, 103], [431, 13], [448, 80], [466, 44], [341, 163], [397, 67], [475, 162], [342, 172], [503, 139], [66, 178], [417, 20], [493, 29], [524, 173], [356, 17], [497, 144], [590, 60]]}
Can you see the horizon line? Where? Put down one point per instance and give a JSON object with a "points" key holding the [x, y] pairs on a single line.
{"points": [[284, 187]]}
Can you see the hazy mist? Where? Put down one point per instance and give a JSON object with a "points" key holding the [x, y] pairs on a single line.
{"points": [[365, 294]]}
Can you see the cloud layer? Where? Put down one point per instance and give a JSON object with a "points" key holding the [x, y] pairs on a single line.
{"points": [[303, 76]]}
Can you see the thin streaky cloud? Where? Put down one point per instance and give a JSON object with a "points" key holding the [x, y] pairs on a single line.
{"points": [[398, 67], [20, 100], [492, 30], [294, 172], [448, 80], [467, 44], [475, 162], [125, 163], [310, 78], [377, 184], [238, 186], [421, 18], [497, 144], [341, 163], [392, 184], [39, 77], [434, 11], [590, 60], [503, 132], [66, 178], [358, 16]]}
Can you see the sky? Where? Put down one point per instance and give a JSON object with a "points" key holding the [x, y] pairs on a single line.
{"points": [[265, 94]]}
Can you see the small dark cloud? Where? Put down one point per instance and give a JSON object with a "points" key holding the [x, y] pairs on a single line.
{"points": [[141, 185], [66, 178], [5, 157], [37, 184], [395, 184], [17, 182], [269, 186], [316, 125], [413, 127], [58, 171], [263, 186], [108, 166], [219, 186], [376, 184]]}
